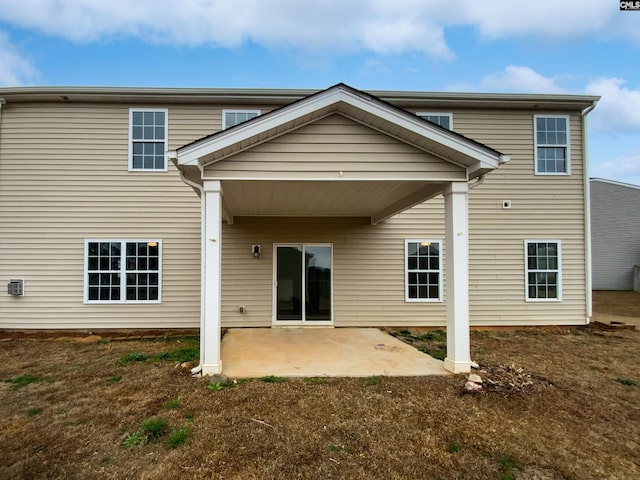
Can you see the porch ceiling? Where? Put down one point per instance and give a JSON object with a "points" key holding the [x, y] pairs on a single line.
{"points": [[340, 152], [374, 199]]}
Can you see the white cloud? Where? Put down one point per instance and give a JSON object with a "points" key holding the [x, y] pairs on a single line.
{"points": [[543, 19], [625, 168], [14, 68], [379, 26], [520, 79], [341, 27], [619, 109]]}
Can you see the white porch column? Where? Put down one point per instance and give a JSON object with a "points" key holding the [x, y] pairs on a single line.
{"points": [[211, 291], [457, 269]]}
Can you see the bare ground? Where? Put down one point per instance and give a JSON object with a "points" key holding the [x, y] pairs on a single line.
{"points": [[557, 404]]}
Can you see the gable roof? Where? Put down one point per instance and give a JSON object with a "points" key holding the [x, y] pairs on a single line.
{"points": [[359, 106], [616, 183]]}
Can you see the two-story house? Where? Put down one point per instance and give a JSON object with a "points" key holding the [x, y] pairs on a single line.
{"points": [[176, 207]]}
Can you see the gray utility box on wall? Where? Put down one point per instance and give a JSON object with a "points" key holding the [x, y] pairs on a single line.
{"points": [[15, 287], [636, 278]]}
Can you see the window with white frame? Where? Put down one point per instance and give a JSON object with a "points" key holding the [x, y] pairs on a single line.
{"points": [[551, 144], [443, 119], [231, 118], [543, 270], [423, 271], [122, 271], [147, 139]]}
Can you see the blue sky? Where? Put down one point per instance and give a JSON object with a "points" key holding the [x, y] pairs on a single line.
{"points": [[543, 46]]}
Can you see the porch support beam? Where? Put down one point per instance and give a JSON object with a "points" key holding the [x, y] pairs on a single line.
{"points": [[421, 195], [458, 358], [212, 245]]}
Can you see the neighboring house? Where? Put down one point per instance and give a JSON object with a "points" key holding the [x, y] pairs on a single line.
{"points": [[169, 208], [615, 233]]}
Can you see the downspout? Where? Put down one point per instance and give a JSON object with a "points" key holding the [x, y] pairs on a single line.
{"points": [[479, 181], [587, 214], [198, 188]]}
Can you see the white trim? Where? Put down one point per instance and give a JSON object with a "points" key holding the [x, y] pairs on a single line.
{"points": [[123, 270], [526, 270], [237, 110], [274, 299], [438, 114], [131, 139], [406, 271], [567, 146]]}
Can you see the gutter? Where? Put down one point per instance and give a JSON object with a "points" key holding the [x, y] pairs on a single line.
{"points": [[587, 214], [173, 155]]}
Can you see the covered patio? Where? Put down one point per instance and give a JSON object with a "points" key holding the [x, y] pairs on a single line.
{"points": [[321, 352], [338, 153]]}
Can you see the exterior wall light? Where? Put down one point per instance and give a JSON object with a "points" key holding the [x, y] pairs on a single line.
{"points": [[255, 250]]}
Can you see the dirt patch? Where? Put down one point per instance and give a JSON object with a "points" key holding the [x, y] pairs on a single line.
{"points": [[617, 303], [564, 405]]}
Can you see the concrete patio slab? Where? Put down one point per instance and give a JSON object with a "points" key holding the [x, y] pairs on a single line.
{"points": [[321, 352]]}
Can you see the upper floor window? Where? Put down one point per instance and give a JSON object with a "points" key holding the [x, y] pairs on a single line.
{"points": [[423, 271], [443, 119], [147, 139], [122, 271], [543, 270], [552, 144], [231, 118]]}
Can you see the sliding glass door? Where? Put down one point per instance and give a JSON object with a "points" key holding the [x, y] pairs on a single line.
{"points": [[303, 286]]}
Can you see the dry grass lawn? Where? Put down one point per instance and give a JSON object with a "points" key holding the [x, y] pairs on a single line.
{"points": [[558, 404]]}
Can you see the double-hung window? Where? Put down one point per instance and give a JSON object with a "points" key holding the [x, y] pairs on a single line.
{"points": [[231, 118], [147, 139], [122, 271], [443, 119], [552, 145], [423, 270], [543, 270]]}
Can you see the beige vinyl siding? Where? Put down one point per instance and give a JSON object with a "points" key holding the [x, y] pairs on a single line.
{"points": [[335, 147], [63, 179], [369, 263], [368, 267], [542, 207]]}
